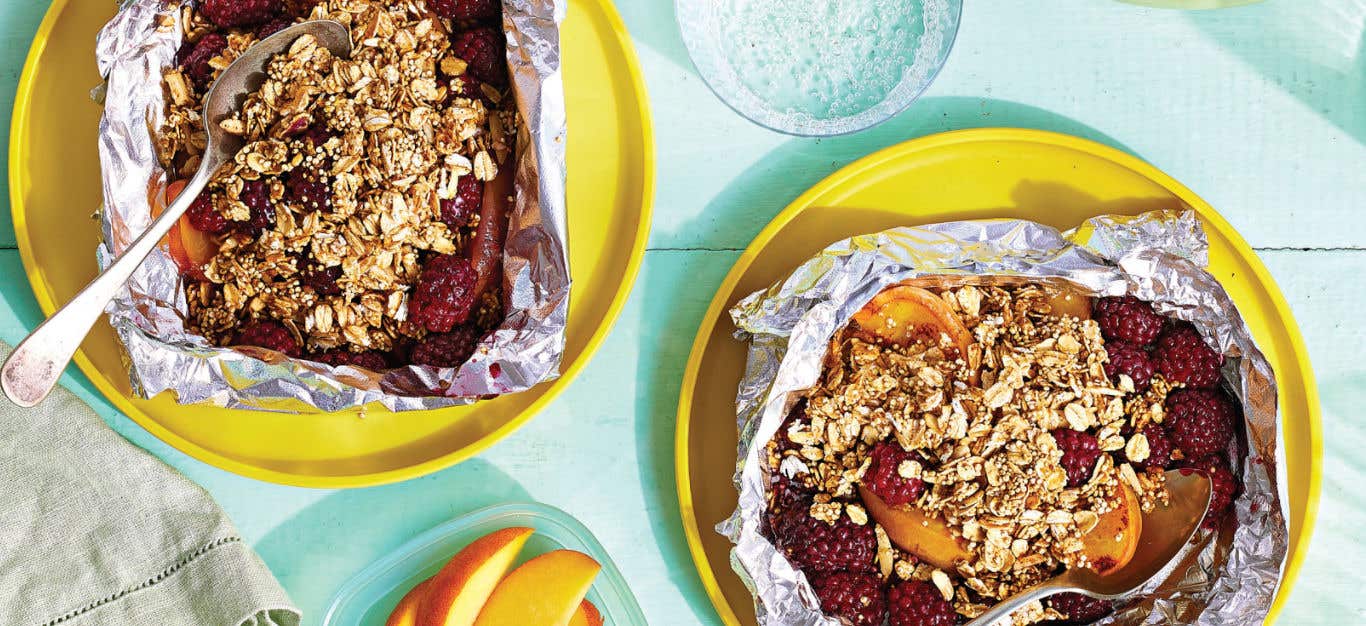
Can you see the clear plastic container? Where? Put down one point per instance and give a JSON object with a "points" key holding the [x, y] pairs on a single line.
{"points": [[818, 68], [369, 597]]}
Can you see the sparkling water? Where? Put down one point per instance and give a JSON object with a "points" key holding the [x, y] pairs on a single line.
{"points": [[823, 59]]}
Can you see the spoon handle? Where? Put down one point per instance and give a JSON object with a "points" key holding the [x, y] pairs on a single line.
{"points": [[34, 367], [1007, 606]]}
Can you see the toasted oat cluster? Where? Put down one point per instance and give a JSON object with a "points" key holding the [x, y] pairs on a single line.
{"points": [[996, 457], [352, 217]]}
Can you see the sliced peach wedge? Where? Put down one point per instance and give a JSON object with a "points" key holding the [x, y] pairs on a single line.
{"points": [[903, 314], [405, 613], [1114, 541], [457, 593], [1108, 547], [189, 248], [1071, 301], [545, 591], [919, 534], [587, 615]]}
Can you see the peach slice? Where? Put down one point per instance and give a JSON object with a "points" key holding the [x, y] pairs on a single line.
{"points": [[903, 314], [459, 591], [405, 613], [1113, 542], [913, 531], [587, 615], [1070, 301], [545, 591], [189, 248]]}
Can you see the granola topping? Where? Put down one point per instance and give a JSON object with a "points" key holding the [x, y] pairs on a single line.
{"points": [[350, 160]]}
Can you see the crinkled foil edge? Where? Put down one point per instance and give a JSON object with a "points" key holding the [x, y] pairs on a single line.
{"points": [[1158, 256], [132, 50]]}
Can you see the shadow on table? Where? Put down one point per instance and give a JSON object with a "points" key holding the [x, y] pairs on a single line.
{"points": [[738, 212], [323, 545], [1313, 49], [654, 24], [675, 290]]}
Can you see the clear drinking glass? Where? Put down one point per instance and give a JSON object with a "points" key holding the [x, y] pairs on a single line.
{"points": [[818, 67]]}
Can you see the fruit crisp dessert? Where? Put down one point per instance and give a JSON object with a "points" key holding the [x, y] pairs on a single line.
{"points": [[967, 442], [362, 223]]}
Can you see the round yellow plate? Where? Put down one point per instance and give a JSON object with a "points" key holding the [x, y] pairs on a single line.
{"points": [[1054, 179], [55, 185]]}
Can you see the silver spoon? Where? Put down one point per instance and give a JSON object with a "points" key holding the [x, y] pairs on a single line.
{"points": [[1165, 534], [34, 367]]}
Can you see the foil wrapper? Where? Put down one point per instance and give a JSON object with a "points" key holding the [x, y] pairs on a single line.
{"points": [[134, 48], [1227, 578]]}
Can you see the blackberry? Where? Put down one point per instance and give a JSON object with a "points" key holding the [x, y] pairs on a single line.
{"points": [[884, 478], [1182, 356], [1080, 451], [1128, 319], [918, 603], [269, 335], [1200, 421], [483, 50], [817, 547], [459, 211], [446, 349], [854, 597], [445, 295], [1131, 360], [230, 13], [205, 218]]}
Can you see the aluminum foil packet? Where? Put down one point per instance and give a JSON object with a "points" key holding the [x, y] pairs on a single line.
{"points": [[134, 48], [1227, 578]]}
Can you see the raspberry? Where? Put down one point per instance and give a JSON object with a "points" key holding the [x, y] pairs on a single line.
{"points": [[466, 9], [338, 358], [444, 295], [446, 350], [1080, 451], [483, 49], [1079, 609], [269, 335], [205, 218], [1127, 358], [469, 198], [194, 57], [1159, 448], [854, 597], [816, 547], [918, 603], [1200, 421], [256, 195], [306, 190], [884, 478], [273, 26], [1226, 486], [229, 13], [1128, 319], [323, 281], [1183, 357]]}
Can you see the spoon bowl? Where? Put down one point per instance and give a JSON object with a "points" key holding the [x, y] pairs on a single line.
{"points": [[36, 364], [1166, 535]]}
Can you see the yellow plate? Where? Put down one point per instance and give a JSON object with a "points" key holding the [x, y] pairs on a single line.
{"points": [[1045, 177], [55, 184]]}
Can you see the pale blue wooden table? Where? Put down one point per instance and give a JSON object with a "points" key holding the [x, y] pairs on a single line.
{"points": [[1261, 110]]}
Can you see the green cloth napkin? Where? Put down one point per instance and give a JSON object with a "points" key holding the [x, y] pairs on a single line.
{"points": [[93, 530]]}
